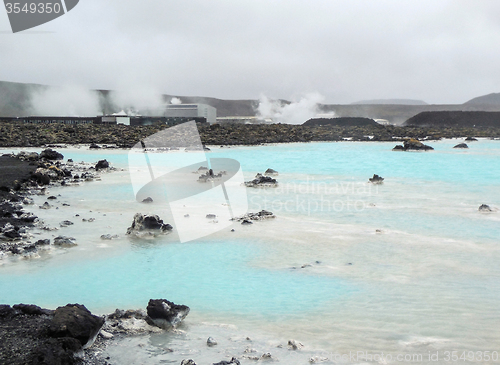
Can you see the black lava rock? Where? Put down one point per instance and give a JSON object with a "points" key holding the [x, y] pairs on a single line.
{"points": [[75, 321], [50, 154], [165, 314], [102, 164]]}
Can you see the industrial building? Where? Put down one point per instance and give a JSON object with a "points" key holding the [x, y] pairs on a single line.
{"points": [[116, 118], [244, 120], [171, 121], [65, 120], [173, 114], [107, 119], [192, 111]]}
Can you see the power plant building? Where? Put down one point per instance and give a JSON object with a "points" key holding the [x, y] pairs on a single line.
{"points": [[192, 111]]}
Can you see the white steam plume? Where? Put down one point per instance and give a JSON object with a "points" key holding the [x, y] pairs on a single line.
{"points": [[71, 101], [138, 100], [296, 112], [175, 101]]}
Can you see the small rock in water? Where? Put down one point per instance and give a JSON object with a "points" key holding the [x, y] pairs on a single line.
{"points": [[42, 242], [262, 181], [186, 215], [270, 172], [262, 215], [376, 179], [64, 241], [211, 341], [412, 145], [165, 314], [211, 216], [148, 223], [102, 164], [50, 154], [65, 223], [45, 206], [188, 362], [316, 359], [461, 145], [52, 198], [246, 222], [234, 361], [294, 345], [485, 208], [109, 237], [28, 201], [148, 200]]}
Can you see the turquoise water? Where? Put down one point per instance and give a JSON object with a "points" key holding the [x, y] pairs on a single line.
{"points": [[211, 276], [410, 265]]}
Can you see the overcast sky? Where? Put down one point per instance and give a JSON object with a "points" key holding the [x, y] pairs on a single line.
{"points": [[439, 51]]}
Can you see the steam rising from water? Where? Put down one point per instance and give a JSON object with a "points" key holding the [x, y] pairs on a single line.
{"points": [[297, 112]]}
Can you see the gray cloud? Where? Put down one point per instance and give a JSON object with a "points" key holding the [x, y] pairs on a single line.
{"points": [[437, 51]]}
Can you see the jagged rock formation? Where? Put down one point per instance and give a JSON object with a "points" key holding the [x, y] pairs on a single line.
{"points": [[376, 179], [165, 314], [412, 145], [148, 225], [262, 215], [262, 182]]}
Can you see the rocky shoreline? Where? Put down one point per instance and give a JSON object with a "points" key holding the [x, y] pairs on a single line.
{"points": [[28, 174], [72, 335], [17, 134]]}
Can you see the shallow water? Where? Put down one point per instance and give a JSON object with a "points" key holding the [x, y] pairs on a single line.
{"points": [[406, 267]]}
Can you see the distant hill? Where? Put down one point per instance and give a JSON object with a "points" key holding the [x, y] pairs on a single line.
{"points": [[342, 122], [455, 119], [391, 102], [490, 99]]}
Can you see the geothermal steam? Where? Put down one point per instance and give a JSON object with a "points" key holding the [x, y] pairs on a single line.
{"points": [[72, 101], [296, 112]]}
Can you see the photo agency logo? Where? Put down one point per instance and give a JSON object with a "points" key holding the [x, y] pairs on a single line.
{"points": [[27, 14], [199, 194]]}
